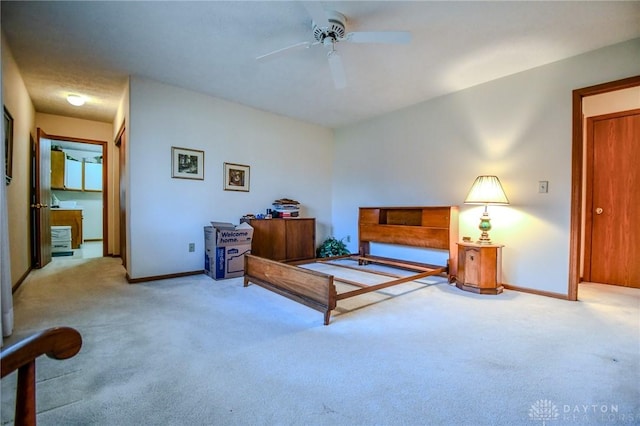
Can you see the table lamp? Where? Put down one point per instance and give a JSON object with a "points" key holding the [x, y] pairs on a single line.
{"points": [[486, 190]]}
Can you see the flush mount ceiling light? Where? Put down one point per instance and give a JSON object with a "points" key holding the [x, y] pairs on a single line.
{"points": [[75, 100]]}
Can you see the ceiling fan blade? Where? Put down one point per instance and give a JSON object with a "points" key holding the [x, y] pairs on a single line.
{"points": [[390, 37], [283, 51], [337, 70], [317, 13]]}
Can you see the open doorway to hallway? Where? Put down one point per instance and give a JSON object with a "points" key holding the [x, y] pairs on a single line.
{"points": [[77, 198]]}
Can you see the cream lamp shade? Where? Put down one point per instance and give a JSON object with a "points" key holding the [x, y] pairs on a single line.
{"points": [[486, 190]]}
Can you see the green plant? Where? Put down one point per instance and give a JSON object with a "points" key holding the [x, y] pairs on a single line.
{"points": [[332, 247]]}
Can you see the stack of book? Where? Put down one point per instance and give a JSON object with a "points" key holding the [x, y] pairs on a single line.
{"points": [[286, 207]]}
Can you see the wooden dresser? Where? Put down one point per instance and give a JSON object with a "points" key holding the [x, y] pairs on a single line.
{"points": [[73, 218], [284, 240]]}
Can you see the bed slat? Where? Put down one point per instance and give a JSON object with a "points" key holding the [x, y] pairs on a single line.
{"points": [[370, 288]]}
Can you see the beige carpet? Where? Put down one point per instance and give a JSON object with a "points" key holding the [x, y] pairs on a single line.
{"points": [[194, 351]]}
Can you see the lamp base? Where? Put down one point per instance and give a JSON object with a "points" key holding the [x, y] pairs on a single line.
{"points": [[485, 227], [484, 239]]}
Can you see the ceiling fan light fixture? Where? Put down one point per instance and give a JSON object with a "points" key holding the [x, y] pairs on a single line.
{"points": [[76, 100], [328, 28], [333, 26]]}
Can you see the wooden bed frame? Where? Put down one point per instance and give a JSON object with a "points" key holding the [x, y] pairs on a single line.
{"points": [[425, 227]]}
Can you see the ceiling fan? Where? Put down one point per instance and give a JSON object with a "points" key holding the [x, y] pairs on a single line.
{"points": [[329, 29]]}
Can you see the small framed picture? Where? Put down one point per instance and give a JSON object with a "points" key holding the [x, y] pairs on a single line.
{"points": [[187, 163], [236, 177]]}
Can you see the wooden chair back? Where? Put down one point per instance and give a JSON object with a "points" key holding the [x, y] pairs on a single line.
{"points": [[56, 343]]}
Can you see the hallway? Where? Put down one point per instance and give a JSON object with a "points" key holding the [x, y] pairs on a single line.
{"points": [[88, 250]]}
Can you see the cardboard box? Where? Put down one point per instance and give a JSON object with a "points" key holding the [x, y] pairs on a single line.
{"points": [[61, 240], [225, 246]]}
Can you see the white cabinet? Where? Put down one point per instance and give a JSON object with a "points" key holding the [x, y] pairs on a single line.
{"points": [[92, 177], [82, 176], [73, 174]]}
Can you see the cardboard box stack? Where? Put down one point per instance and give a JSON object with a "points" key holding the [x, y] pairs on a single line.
{"points": [[61, 241], [225, 246]]}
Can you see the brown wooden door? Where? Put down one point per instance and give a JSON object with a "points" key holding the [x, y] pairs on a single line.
{"points": [[612, 232], [41, 199]]}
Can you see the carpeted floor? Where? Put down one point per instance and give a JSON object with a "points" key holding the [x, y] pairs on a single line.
{"points": [[194, 351]]}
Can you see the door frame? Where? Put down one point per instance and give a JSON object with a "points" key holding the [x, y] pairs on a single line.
{"points": [[40, 198], [120, 143], [576, 254], [105, 182]]}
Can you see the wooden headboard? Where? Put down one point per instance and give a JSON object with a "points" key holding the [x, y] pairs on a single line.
{"points": [[425, 227]]}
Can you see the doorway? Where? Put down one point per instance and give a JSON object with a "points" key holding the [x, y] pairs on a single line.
{"points": [[77, 202], [578, 178], [121, 199]]}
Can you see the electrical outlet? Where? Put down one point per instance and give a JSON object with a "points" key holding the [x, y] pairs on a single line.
{"points": [[543, 186], [192, 247], [348, 238]]}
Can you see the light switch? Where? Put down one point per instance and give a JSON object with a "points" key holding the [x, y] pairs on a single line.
{"points": [[543, 186]]}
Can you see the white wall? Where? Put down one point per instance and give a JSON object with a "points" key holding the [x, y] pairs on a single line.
{"points": [[605, 103], [16, 99], [288, 158], [517, 127], [74, 127]]}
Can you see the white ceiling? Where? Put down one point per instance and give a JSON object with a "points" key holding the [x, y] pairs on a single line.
{"points": [[90, 48]]}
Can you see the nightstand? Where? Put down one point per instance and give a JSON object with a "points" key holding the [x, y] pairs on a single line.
{"points": [[480, 268]]}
